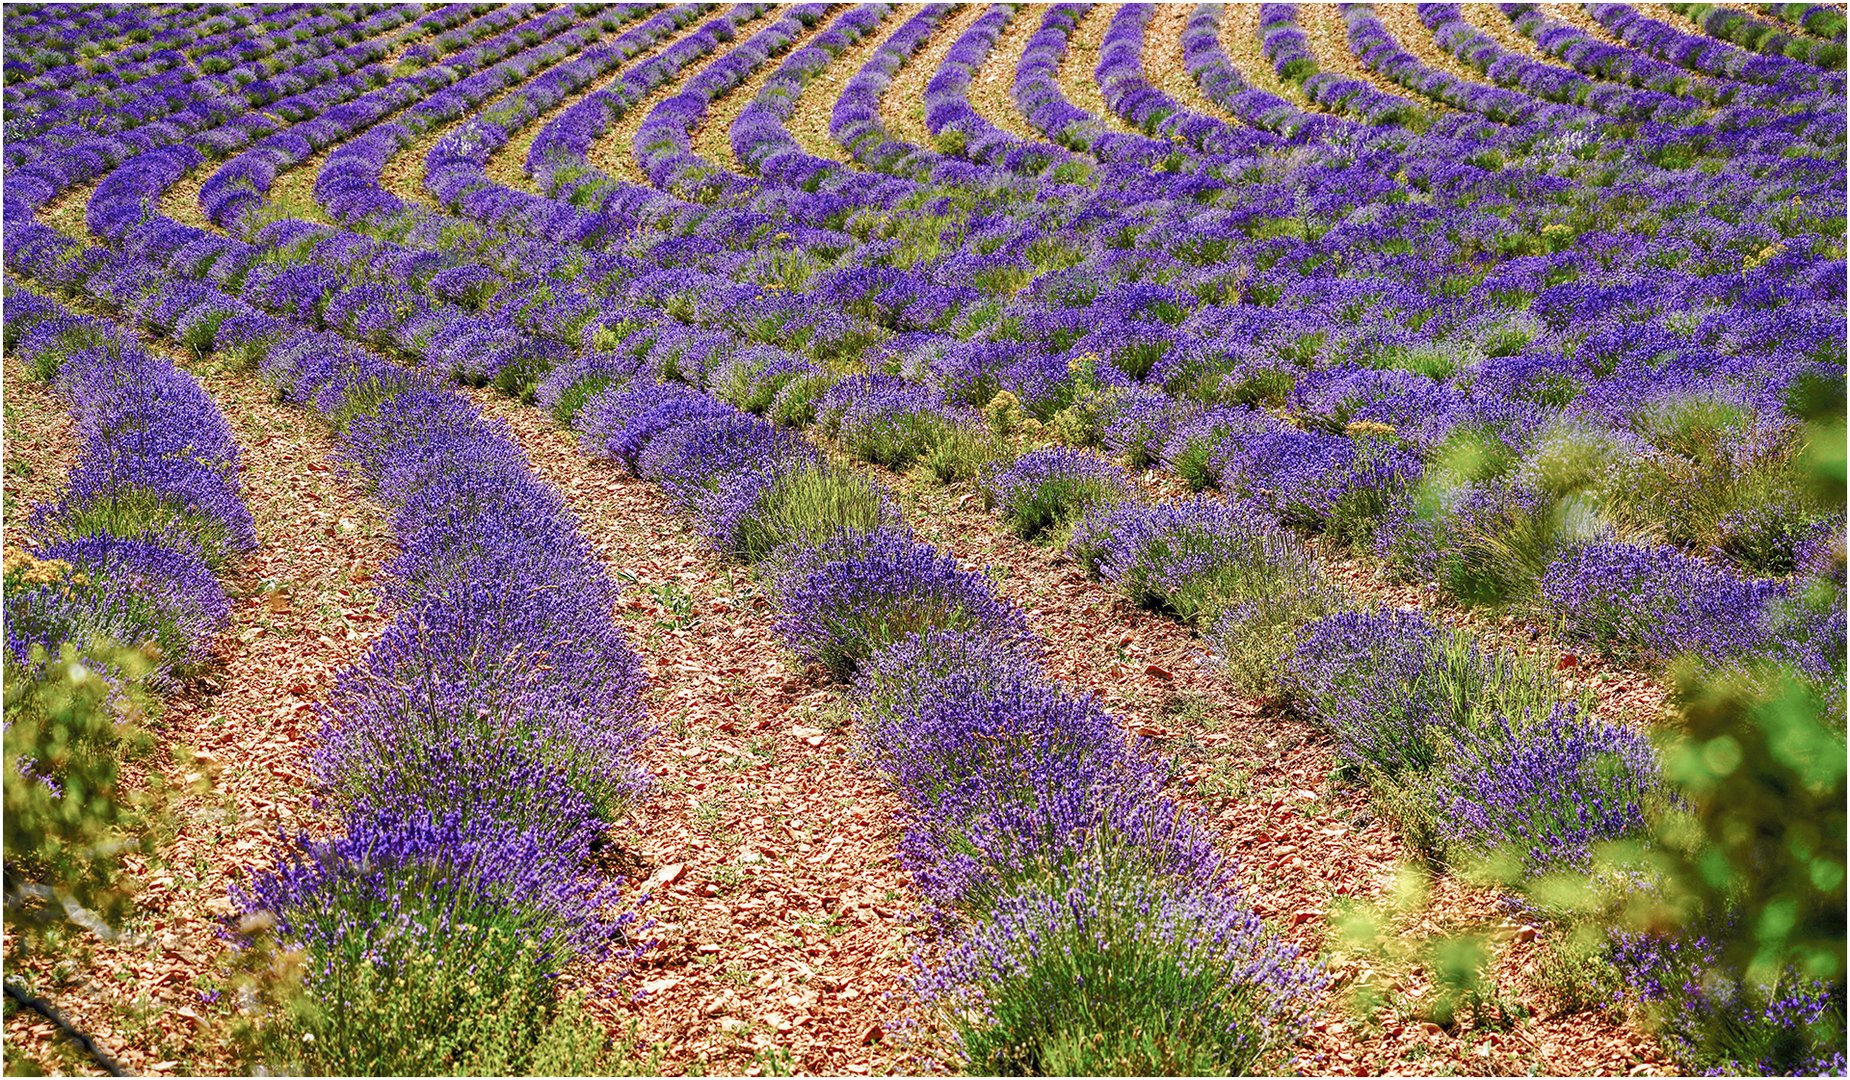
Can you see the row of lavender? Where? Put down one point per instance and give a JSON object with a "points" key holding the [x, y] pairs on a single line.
{"points": [[214, 125], [111, 602]]}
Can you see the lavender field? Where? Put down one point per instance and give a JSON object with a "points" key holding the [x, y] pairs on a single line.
{"points": [[1161, 539]]}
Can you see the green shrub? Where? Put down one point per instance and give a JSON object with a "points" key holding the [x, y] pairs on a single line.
{"points": [[1106, 972], [68, 821], [801, 506], [475, 1002]]}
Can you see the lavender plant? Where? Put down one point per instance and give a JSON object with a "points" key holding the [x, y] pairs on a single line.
{"points": [[1545, 790], [857, 591], [1117, 973], [1194, 557], [1046, 489]]}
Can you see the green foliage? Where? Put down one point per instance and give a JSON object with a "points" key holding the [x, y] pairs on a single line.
{"points": [[1111, 993], [1256, 630], [1753, 861], [1457, 965], [1033, 510], [795, 402], [470, 999], [805, 505], [1764, 776], [365, 399], [162, 651], [898, 439], [1575, 969], [1078, 424], [961, 451], [573, 398], [68, 821]]}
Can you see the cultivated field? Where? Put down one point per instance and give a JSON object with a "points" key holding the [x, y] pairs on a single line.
{"points": [[870, 539]]}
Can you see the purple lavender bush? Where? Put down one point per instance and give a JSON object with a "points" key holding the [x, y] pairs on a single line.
{"points": [[1113, 973], [1047, 488], [791, 502], [1008, 777], [1546, 790], [1651, 604], [480, 916], [1393, 687], [1194, 557], [109, 592], [855, 592], [1720, 1021]]}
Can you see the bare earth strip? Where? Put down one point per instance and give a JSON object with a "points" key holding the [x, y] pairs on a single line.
{"points": [[1164, 66], [614, 154], [40, 447], [1328, 38], [68, 212], [508, 165], [784, 928], [181, 201], [992, 87]]}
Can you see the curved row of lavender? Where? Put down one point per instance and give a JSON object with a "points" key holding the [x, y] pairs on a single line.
{"points": [[1471, 423], [150, 514]]}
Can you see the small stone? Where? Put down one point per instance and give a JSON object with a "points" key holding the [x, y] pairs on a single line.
{"points": [[872, 1035]]}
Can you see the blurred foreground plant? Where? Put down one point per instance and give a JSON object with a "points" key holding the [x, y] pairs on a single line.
{"points": [[68, 822]]}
